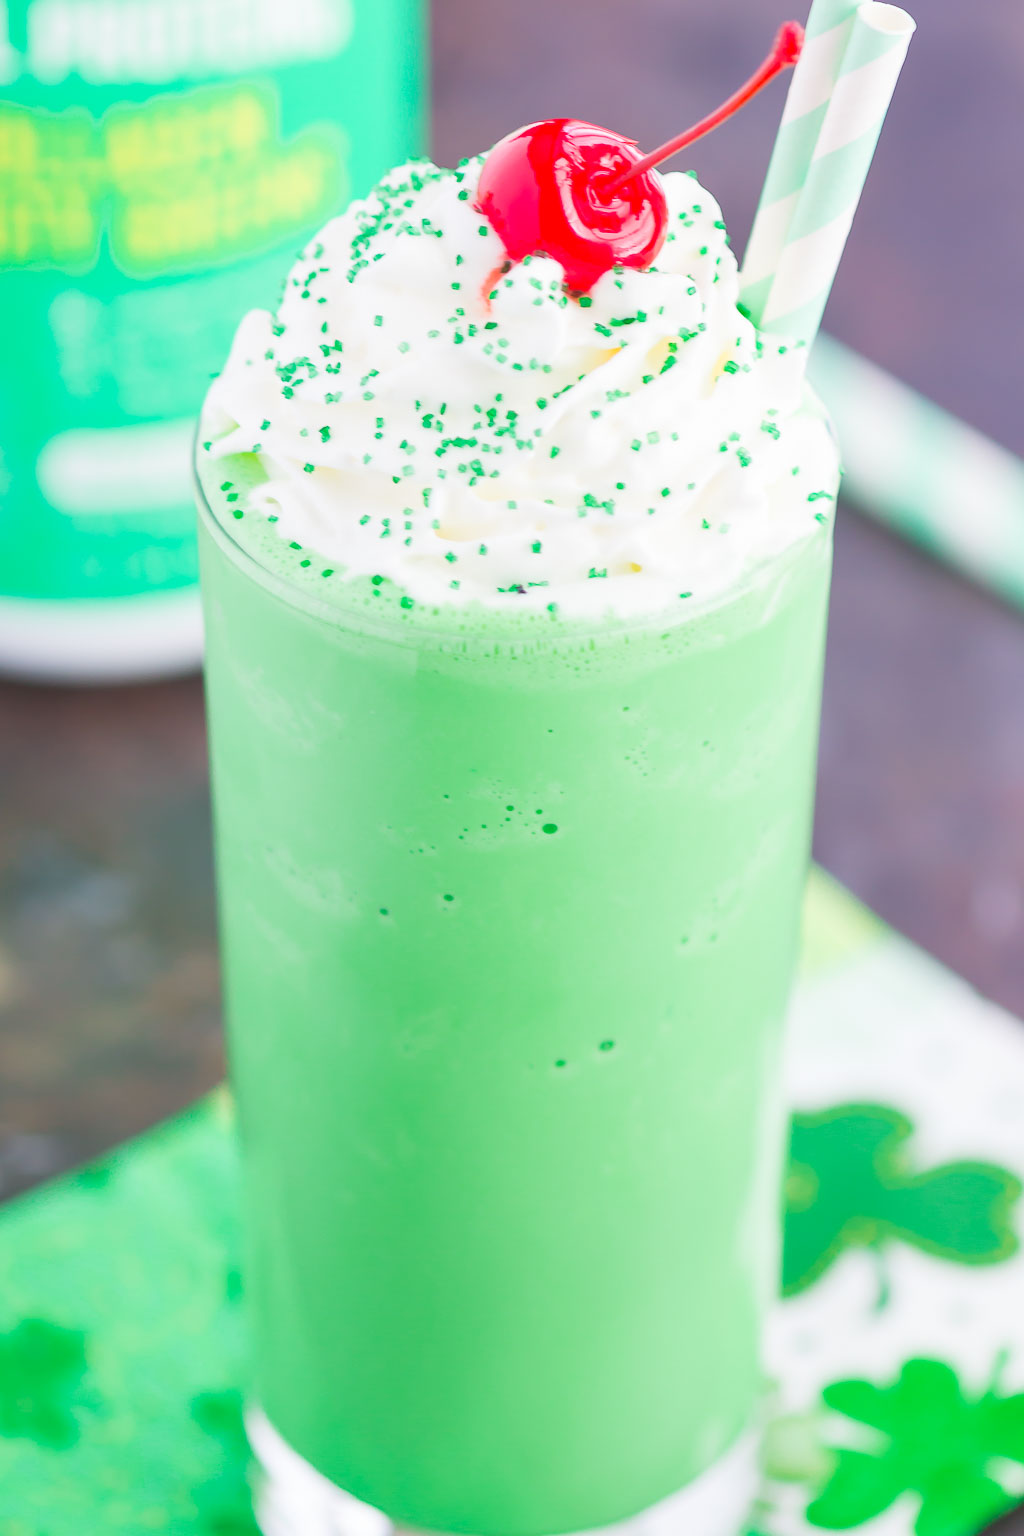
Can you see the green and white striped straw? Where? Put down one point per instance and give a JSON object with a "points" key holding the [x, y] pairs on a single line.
{"points": [[814, 78], [792, 297], [922, 472]]}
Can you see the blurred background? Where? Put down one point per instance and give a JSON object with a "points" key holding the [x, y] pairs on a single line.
{"points": [[109, 1007]]}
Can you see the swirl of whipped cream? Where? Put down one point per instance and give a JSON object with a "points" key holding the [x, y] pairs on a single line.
{"points": [[605, 454]]}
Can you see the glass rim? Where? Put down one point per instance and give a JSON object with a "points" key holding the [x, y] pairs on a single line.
{"points": [[430, 623]]}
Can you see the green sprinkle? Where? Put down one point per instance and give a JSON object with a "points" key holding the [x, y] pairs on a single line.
{"points": [[309, 468]]}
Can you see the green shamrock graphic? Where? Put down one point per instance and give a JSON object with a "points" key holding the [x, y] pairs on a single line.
{"points": [[41, 1367], [851, 1185], [224, 1504], [946, 1448]]}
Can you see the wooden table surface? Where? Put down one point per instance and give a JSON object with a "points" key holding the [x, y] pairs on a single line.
{"points": [[109, 1011]]}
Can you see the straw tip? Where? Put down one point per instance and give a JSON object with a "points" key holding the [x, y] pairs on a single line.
{"points": [[890, 19], [790, 42]]}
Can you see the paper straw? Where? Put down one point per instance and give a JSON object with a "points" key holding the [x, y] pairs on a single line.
{"points": [[828, 31], [818, 230], [922, 472]]}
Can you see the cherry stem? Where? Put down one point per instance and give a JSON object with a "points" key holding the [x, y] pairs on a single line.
{"points": [[784, 54]]}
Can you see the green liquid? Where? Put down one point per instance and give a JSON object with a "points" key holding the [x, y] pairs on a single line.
{"points": [[508, 929]]}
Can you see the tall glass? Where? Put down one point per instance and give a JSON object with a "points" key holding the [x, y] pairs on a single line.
{"points": [[509, 915]]}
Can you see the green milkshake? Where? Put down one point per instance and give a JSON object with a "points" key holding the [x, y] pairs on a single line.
{"points": [[515, 633]]}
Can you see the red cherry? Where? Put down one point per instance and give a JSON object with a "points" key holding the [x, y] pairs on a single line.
{"points": [[586, 196], [544, 188]]}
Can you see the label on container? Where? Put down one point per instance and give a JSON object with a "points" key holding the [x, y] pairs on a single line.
{"points": [[160, 162]]}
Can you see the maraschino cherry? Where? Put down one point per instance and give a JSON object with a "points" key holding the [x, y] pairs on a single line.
{"points": [[587, 196]]}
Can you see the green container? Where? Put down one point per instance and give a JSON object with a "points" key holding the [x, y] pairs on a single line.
{"points": [[159, 160]]}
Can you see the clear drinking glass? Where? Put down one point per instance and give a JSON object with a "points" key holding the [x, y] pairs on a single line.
{"points": [[509, 911]]}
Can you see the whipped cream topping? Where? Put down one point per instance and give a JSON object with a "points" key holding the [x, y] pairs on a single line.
{"points": [[477, 435]]}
